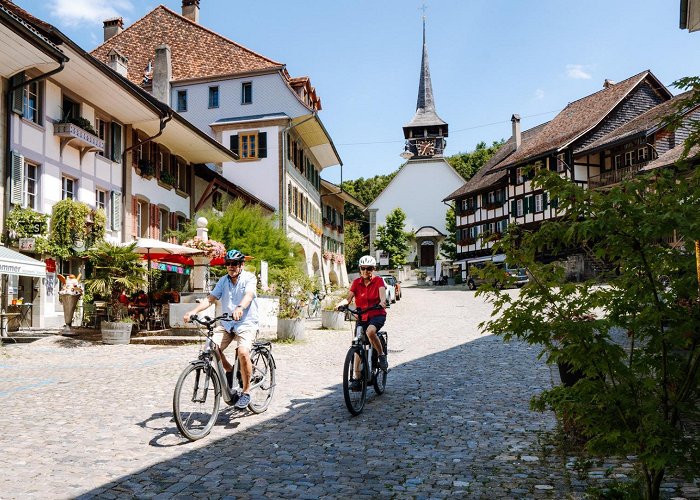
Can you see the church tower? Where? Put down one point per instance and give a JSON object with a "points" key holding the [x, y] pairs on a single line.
{"points": [[425, 133]]}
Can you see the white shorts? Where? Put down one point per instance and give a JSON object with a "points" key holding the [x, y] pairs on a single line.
{"points": [[244, 337]]}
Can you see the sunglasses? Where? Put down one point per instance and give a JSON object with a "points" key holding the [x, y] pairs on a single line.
{"points": [[366, 268], [233, 264]]}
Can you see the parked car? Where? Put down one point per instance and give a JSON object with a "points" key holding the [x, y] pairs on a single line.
{"points": [[390, 290], [391, 280], [511, 275]]}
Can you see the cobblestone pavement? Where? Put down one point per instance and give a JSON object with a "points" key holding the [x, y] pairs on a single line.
{"points": [[88, 420]]}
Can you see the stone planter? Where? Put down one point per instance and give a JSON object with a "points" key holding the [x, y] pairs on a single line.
{"points": [[420, 282], [292, 329], [116, 332], [333, 320]]}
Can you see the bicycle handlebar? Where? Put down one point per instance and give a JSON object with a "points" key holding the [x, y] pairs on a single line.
{"points": [[359, 311], [207, 321]]}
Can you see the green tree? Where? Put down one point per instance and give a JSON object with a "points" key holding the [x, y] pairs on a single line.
{"points": [[636, 340], [448, 248], [467, 164], [393, 239], [355, 244], [365, 191], [250, 230]]}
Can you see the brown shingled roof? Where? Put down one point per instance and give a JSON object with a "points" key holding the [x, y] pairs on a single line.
{"points": [[579, 117], [643, 123], [491, 173], [196, 51]]}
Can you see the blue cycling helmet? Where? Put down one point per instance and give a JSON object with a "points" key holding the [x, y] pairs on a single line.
{"points": [[235, 256]]}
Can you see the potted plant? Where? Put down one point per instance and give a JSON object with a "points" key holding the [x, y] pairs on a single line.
{"points": [[330, 318], [115, 269], [292, 286], [420, 277]]}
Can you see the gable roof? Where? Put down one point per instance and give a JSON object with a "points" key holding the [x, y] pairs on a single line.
{"points": [[647, 122], [197, 52], [581, 116], [490, 174]]}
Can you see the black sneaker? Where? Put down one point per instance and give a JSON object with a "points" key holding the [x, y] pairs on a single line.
{"points": [[383, 363], [355, 386]]}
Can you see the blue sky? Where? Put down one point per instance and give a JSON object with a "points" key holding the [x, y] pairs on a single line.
{"points": [[488, 58]]}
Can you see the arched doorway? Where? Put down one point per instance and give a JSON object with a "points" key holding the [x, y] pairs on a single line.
{"points": [[427, 253]]}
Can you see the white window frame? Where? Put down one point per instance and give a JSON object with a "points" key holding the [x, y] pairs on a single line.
{"points": [[538, 203], [181, 100], [214, 92], [519, 177], [31, 93], [249, 98], [642, 154], [618, 161], [629, 158], [103, 204], [519, 207], [65, 191], [30, 185]]}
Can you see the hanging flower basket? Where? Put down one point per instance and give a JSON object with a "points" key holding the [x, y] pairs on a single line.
{"points": [[211, 248]]}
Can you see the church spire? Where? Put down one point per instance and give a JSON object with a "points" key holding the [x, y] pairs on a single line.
{"points": [[425, 123]]}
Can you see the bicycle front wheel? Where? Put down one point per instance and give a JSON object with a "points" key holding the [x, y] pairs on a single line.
{"points": [[354, 388], [196, 401], [263, 381]]}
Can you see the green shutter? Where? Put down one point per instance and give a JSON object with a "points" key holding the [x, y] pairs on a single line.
{"points": [[116, 142], [555, 202], [544, 200], [116, 203], [514, 208], [234, 144], [262, 145], [484, 199], [18, 94], [17, 180]]}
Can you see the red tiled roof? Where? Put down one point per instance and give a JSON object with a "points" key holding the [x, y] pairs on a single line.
{"points": [[196, 51], [578, 118]]}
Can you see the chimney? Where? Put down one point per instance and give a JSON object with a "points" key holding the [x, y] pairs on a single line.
{"points": [[113, 27], [162, 74], [517, 137], [608, 83], [190, 10], [118, 62]]}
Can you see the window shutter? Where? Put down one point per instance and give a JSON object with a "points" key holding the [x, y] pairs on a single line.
{"points": [[18, 94], [116, 204], [173, 225], [514, 208], [262, 145], [484, 199], [17, 178], [134, 216], [116, 155], [555, 202], [544, 200], [234, 144]]}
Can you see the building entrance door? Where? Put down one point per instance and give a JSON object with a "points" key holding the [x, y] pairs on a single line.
{"points": [[427, 253]]}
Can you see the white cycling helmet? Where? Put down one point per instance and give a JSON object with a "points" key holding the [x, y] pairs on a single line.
{"points": [[368, 260]]}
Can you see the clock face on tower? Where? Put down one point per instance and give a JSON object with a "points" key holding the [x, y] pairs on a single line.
{"points": [[426, 147]]}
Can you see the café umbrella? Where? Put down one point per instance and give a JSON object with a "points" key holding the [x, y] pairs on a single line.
{"points": [[150, 246]]}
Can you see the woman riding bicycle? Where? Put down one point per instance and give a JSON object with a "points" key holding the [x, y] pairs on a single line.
{"points": [[369, 290]]}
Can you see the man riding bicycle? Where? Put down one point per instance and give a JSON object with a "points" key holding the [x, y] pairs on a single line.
{"points": [[237, 293], [369, 290]]}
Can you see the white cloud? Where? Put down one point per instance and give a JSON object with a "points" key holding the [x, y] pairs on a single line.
{"points": [[539, 94], [73, 12], [577, 72]]}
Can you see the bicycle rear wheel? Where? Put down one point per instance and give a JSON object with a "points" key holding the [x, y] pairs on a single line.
{"points": [[379, 378], [264, 375], [354, 400], [196, 401]]}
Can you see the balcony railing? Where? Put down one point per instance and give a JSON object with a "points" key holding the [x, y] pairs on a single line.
{"points": [[615, 176], [81, 139]]}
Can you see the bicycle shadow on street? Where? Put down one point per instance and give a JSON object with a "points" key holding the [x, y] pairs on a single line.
{"points": [[453, 423]]}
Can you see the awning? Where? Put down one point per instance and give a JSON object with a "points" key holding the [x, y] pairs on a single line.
{"points": [[17, 264], [316, 138]]}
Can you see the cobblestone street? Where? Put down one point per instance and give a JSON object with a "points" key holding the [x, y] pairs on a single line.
{"points": [[84, 419]]}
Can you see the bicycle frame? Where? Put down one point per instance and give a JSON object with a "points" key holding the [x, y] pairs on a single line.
{"points": [[211, 351]]}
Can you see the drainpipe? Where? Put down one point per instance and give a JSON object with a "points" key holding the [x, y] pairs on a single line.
{"points": [[163, 122]]}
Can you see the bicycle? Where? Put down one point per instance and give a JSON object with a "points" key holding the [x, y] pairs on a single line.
{"points": [[313, 308], [368, 369], [199, 388]]}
